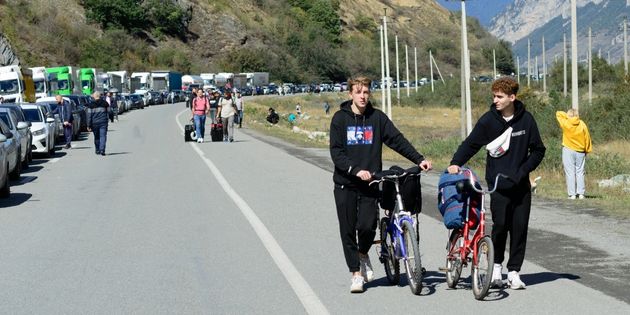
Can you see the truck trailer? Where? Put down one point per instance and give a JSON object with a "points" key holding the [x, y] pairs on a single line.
{"points": [[64, 80], [16, 84], [166, 80]]}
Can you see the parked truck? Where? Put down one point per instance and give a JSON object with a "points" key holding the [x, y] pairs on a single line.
{"points": [[255, 79], [16, 84], [208, 81], [40, 79], [64, 80], [189, 81], [118, 81], [166, 80], [239, 81], [92, 80], [223, 79], [140, 81]]}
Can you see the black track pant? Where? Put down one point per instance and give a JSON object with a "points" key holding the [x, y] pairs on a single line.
{"points": [[358, 215], [510, 214]]}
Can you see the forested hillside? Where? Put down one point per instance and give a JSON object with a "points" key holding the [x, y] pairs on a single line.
{"points": [[295, 40]]}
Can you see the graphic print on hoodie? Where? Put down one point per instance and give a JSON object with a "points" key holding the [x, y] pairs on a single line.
{"points": [[360, 135]]}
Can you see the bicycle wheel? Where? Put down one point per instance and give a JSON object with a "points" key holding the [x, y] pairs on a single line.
{"points": [[413, 263], [482, 271], [453, 259], [388, 257]]}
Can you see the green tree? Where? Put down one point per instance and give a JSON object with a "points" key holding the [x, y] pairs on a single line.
{"points": [[126, 14]]}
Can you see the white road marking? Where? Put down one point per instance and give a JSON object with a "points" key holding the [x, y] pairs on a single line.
{"points": [[311, 302], [55, 160]]}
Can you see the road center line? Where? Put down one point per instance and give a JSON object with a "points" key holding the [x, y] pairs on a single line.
{"points": [[302, 289]]}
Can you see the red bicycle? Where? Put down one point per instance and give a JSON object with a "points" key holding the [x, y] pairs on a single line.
{"points": [[467, 240]]}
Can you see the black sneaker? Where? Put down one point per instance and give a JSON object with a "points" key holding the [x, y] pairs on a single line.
{"points": [[103, 153], [67, 146]]}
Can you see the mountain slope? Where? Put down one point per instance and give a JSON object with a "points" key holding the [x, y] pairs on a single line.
{"points": [[289, 38], [552, 19]]}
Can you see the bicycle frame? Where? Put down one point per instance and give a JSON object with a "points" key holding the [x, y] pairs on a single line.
{"points": [[394, 228], [468, 245]]}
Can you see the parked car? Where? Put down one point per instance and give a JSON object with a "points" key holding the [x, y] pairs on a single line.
{"points": [[42, 127], [157, 98], [52, 103], [137, 101], [20, 134], [13, 151], [81, 102], [5, 188], [17, 112]]}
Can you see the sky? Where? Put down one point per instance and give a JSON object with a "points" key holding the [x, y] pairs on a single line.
{"points": [[484, 10]]}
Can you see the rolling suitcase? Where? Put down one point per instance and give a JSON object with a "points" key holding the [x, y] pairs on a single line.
{"points": [[189, 133], [216, 132]]}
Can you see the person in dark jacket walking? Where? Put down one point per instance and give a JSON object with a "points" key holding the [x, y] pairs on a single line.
{"points": [[64, 109], [97, 121], [511, 203], [357, 134]]}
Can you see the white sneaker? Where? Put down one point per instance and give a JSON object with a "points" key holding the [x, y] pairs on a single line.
{"points": [[514, 281], [357, 284], [581, 197], [200, 140], [572, 197], [497, 276], [366, 268]]}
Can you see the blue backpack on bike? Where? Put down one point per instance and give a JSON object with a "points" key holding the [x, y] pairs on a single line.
{"points": [[452, 201]]}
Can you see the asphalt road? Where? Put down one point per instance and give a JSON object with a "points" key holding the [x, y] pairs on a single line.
{"points": [[162, 226]]}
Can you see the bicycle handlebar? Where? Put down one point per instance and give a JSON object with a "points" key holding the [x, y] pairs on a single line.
{"points": [[481, 190], [394, 173]]}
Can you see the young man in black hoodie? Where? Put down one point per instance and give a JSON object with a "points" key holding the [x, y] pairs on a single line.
{"points": [[511, 203], [357, 134]]}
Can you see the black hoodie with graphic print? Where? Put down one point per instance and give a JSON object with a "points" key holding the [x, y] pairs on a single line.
{"points": [[356, 143], [526, 149]]}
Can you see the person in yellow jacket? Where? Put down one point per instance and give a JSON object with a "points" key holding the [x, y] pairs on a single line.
{"points": [[576, 143]]}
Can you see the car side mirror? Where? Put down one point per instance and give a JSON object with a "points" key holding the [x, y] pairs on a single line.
{"points": [[50, 120], [9, 135], [22, 125], [2, 138]]}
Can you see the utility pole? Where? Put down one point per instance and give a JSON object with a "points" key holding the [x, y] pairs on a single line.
{"points": [[466, 77], [494, 60], [431, 73], [590, 67], [383, 89], [389, 78], [407, 67], [625, 45], [574, 57], [518, 69], [564, 51], [529, 62], [544, 61], [397, 74], [415, 62]]}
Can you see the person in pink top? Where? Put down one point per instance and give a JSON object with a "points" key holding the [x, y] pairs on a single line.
{"points": [[200, 108]]}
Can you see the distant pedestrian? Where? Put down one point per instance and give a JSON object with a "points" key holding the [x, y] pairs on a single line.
{"points": [[227, 110], [327, 108], [64, 109], [1, 99], [97, 122], [199, 111], [113, 107], [272, 116], [298, 109], [238, 101], [576, 144]]}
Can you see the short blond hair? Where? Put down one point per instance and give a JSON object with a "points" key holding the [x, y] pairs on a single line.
{"points": [[359, 81], [573, 113]]}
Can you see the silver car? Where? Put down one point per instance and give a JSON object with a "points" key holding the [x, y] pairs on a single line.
{"points": [[12, 148], [5, 188], [20, 133]]}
